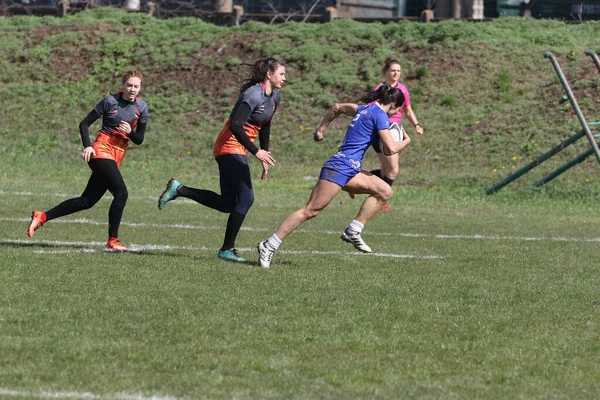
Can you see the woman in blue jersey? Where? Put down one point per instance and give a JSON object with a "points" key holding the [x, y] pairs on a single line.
{"points": [[389, 169], [249, 119], [344, 171], [124, 119]]}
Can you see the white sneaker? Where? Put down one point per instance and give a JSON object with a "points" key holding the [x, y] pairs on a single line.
{"points": [[265, 254], [356, 241]]}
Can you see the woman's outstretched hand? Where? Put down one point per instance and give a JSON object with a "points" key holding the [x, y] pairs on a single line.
{"points": [[265, 157]]}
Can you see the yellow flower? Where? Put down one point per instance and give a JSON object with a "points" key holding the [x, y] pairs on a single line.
{"points": [[514, 158], [494, 170]]}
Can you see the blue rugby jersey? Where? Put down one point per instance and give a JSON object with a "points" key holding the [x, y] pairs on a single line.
{"points": [[362, 131]]}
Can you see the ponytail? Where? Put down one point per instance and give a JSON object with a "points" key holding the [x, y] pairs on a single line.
{"points": [[258, 71], [385, 95]]}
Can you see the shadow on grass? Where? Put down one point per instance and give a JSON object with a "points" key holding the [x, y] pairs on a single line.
{"points": [[70, 248], [18, 243]]}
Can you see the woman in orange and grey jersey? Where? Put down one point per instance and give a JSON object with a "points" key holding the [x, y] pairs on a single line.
{"points": [[249, 119], [124, 118]]}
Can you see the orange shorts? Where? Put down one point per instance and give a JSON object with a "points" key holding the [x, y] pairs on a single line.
{"points": [[110, 147]]}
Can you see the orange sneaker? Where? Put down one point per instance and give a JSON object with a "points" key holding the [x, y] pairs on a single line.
{"points": [[385, 207], [37, 219], [114, 245]]}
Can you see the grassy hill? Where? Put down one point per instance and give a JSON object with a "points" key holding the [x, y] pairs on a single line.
{"points": [[466, 296], [486, 97]]}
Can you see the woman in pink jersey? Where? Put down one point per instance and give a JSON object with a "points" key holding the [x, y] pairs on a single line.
{"points": [[389, 164]]}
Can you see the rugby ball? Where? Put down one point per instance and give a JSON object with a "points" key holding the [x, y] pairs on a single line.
{"points": [[397, 132]]}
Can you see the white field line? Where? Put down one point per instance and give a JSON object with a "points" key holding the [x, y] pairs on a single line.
{"points": [[107, 197], [370, 233], [125, 223], [43, 394], [133, 248]]}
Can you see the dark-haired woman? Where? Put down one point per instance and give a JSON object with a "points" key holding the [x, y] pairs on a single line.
{"points": [[389, 170], [343, 171], [250, 118], [124, 118]]}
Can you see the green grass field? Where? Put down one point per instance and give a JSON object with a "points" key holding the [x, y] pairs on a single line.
{"points": [[467, 296], [463, 298]]}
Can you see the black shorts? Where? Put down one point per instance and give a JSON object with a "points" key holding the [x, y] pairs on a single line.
{"points": [[376, 146]]}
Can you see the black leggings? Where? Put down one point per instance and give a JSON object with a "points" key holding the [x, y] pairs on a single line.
{"points": [[105, 176], [236, 198]]}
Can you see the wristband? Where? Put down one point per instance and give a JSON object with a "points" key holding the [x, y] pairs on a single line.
{"points": [[417, 124]]}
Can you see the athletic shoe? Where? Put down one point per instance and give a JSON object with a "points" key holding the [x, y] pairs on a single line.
{"points": [[231, 255], [169, 194], [385, 207], [356, 241], [37, 219], [114, 245], [265, 254]]}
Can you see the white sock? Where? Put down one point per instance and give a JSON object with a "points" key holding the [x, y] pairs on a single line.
{"points": [[274, 241], [355, 227]]}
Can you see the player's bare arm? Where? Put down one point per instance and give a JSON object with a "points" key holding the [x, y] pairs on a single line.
{"points": [[389, 145], [410, 114], [338, 109]]}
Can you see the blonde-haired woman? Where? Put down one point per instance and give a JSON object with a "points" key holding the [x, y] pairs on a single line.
{"points": [[124, 118]]}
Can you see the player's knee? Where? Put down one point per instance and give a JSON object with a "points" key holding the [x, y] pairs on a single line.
{"points": [[84, 203], [390, 167], [121, 196], [310, 212], [386, 193], [243, 206], [392, 172]]}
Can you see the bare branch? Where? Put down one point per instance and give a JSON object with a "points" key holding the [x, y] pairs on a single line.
{"points": [[291, 15], [316, 3], [579, 16]]}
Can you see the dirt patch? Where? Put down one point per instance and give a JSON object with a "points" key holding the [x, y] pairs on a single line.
{"points": [[214, 71], [70, 59], [43, 32], [211, 70]]}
